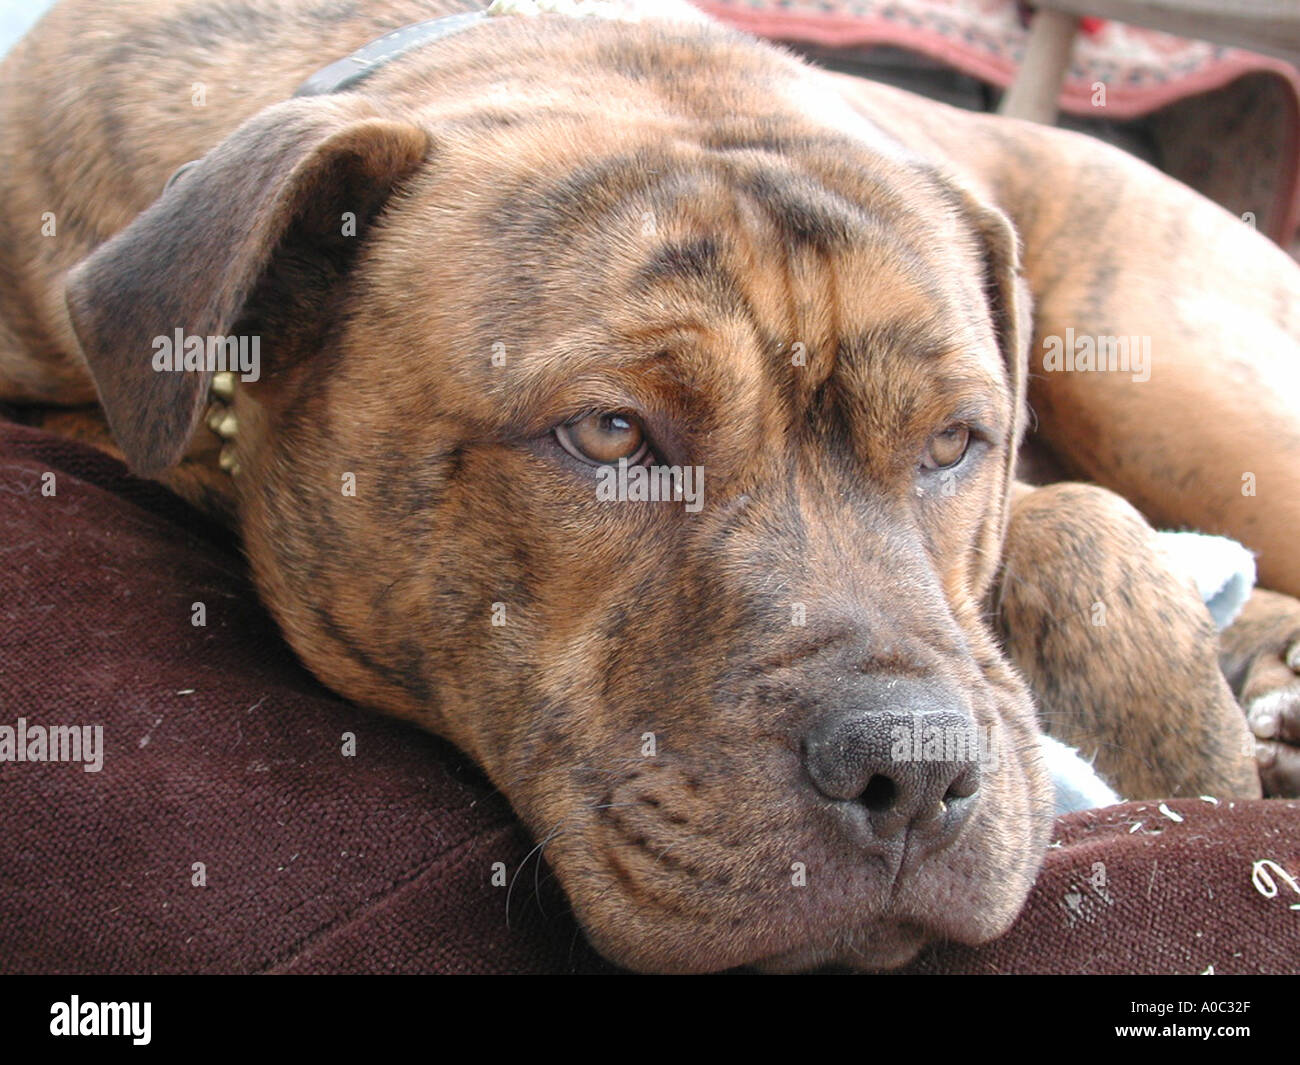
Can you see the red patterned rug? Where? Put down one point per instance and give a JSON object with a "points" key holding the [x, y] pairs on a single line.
{"points": [[1236, 141]]}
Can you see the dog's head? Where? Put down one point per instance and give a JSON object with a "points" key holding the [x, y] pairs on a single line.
{"points": [[761, 720]]}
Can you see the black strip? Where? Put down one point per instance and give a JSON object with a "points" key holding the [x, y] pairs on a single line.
{"points": [[347, 73]]}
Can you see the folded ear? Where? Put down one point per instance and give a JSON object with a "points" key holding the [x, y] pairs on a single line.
{"points": [[1009, 299], [1010, 307], [274, 192], [1009, 302]]}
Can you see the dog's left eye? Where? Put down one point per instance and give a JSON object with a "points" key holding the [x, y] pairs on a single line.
{"points": [[603, 438], [946, 448]]}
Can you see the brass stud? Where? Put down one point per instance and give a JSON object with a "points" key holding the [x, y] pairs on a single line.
{"points": [[228, 460], [223, 385], [222, 421]]}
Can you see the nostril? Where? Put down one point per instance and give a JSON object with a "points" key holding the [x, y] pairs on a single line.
{"points": [[965, 785], [879, 794]]}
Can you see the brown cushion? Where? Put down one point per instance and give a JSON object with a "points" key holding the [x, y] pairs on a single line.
{"points": [[382, 862]]}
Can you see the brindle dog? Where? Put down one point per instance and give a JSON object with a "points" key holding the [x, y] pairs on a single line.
{"points": [[532, 248]]}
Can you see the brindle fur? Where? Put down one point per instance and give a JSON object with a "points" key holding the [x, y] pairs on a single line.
{"points": [[656, 216]]}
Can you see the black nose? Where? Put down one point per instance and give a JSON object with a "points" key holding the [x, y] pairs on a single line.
{"points": [[907, 768]]}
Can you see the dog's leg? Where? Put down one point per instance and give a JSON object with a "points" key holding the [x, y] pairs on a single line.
{"points": [[1118, 648], [1198, 424], [1260, 656]]}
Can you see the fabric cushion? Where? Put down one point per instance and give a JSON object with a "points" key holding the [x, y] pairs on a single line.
{"points": [[220, 749]]}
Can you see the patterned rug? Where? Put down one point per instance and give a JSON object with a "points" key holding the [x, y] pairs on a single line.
{"points": [[1223, 120]]}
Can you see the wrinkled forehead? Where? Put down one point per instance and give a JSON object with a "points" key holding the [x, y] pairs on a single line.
{"points": [[773, 247], [786, 195]]}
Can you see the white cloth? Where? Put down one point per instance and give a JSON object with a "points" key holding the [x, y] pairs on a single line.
{"points": [[1223, 570]]}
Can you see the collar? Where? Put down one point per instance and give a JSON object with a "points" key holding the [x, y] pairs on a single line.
{"points": [[349, 72], [341, 76]]}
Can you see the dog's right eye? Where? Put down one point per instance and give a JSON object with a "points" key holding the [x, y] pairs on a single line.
{"points": [[603, 438], [946, 449]]}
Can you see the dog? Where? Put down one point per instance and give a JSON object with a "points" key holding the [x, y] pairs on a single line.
{"points": [[487, 265]]}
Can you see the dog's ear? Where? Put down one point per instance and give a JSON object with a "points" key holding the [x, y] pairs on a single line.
{"points": [[1010, 303], [280, 190], [1011, 309]]}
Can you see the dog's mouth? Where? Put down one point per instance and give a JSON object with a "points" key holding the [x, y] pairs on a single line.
{"points": [[878, 946], [768, 937], [668, 876]]}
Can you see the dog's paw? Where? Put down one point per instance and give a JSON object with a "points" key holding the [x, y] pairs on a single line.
{"points": [[1260, 655], [1271, 699]]}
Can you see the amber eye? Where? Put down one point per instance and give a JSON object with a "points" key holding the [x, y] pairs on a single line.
{"points": [[603, 438], [946, 449]]}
